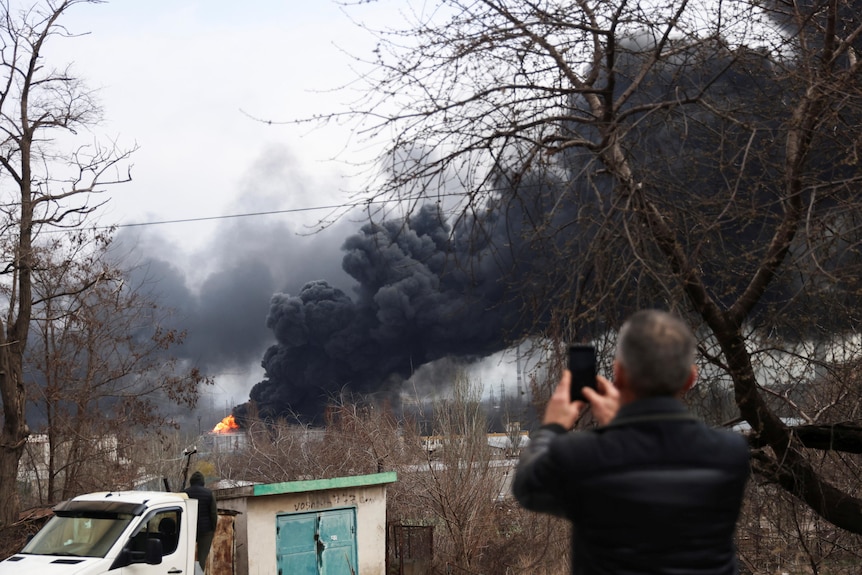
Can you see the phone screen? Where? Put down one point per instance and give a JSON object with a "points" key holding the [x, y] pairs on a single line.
{"points": [[582, 364]]}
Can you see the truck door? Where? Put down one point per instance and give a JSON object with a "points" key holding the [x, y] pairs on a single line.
{"points": [[318, 543], [167, 526]]}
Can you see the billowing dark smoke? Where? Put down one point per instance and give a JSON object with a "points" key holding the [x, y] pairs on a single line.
{"points": [[427, 291], [413, 304]]}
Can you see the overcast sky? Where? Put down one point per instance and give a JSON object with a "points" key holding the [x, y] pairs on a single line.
{"points": [[179, 78]]}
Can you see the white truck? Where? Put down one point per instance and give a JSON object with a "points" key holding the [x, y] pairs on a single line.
{"points": [[116, 533]]}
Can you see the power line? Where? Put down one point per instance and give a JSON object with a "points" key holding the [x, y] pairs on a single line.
{"points": [[254, 214], [246, 215], [269, 212]]}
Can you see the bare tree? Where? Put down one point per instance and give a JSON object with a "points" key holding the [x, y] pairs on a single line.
{"points": [[49, 177], [451, 482], [99, 368], [616, 155]]}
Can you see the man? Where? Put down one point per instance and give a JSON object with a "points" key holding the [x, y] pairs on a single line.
{"points": [[207, 515], [653, 490]]}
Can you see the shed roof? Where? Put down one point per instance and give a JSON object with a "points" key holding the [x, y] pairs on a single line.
{"points": [[262, 489]]}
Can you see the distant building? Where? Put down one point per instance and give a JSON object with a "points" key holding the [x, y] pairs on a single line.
{"points": [[507, 444], [226, 442], [34, 467]]}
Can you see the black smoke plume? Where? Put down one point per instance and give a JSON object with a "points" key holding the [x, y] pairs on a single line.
{"points": [[427, 290], [413, 304]]}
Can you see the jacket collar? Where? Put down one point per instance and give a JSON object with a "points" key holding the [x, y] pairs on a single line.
{"points": [[651, 408]]}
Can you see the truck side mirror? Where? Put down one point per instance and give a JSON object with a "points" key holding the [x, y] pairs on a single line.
{"points": [[153, 554]]}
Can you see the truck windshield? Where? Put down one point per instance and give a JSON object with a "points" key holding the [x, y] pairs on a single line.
{"points": [[79, 535]]}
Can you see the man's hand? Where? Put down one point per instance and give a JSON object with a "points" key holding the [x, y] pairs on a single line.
{"points": [[605, 401], [561, 409]]}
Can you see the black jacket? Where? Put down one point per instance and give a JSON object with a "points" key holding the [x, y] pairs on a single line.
{"points": [[207, 508], [654, 492]]}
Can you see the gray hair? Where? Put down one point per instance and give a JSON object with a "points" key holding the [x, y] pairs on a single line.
{"points": [[656, 349]]}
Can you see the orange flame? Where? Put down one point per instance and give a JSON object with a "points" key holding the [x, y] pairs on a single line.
{"points": [[226, 425]]}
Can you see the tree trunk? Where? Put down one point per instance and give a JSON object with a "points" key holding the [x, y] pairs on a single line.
{"points": [[13, 437]]}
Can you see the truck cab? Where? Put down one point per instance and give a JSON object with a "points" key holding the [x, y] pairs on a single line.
{"points": [[121, 533]]}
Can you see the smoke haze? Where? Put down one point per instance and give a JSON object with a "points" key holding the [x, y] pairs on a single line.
{"points": [[219, 288]]}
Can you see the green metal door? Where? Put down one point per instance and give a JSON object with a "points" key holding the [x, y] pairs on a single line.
{"points": [[337, 542], [294, 546], [321, 543]]}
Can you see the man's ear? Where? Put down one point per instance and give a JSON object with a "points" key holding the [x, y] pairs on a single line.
{"points": [[620, 378], [621, 382], [689, 383]]}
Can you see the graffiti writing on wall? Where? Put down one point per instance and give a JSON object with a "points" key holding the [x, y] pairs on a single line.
{"points": [[338, 499]]}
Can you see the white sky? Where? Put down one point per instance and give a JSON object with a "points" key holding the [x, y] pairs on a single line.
{"points": [[175, 77]]}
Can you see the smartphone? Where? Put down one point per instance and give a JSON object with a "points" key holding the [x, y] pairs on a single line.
{"points": [[582, 364]]}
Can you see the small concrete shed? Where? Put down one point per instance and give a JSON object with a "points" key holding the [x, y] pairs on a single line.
{"points": [[334, 526]]}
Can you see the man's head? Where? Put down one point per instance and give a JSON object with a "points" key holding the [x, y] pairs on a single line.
{"points": [[655, 354], [197, 478]]}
